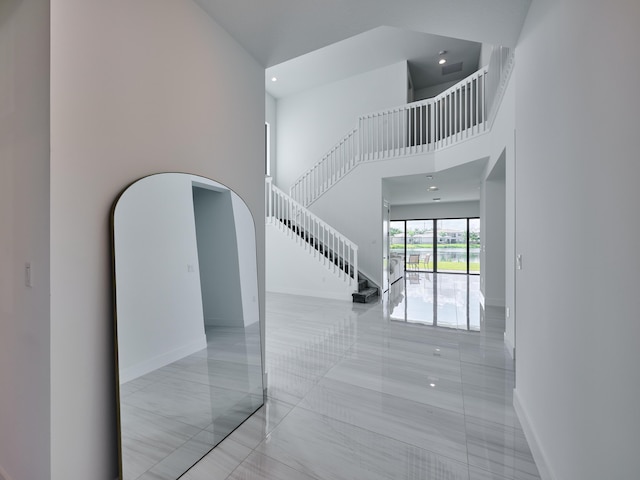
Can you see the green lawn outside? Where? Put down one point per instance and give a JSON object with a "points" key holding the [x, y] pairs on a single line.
{"points": [[412, 246], [450, 266]]}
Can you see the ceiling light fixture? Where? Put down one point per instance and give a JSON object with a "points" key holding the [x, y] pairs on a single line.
{"points": [[274, 79], [437, 199], [442, 60], [432, 188], [429, 177]]}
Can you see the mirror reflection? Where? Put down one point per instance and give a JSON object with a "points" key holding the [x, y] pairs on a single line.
{"points": [[187, 321]]}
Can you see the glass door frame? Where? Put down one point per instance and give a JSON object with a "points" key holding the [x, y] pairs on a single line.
{"points": [[435, 244]]}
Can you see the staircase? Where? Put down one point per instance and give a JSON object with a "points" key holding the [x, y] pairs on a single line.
{"points": [[333, 250], [462, 112], [366, 293]]}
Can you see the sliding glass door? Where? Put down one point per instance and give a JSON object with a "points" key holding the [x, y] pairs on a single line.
{"points": [[448, 245]]}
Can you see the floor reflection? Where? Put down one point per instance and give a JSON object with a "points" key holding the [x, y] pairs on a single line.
{"points": [[436, 299]]}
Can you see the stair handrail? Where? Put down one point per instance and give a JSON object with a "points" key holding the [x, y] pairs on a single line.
{"points": [[463, 111], [338, 253]]}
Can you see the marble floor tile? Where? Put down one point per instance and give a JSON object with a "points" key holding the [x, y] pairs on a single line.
{"points": [[260, 424], [350, 393], [430, 428], [261, 467], [325, 448], [220, 463], [499, 449]]}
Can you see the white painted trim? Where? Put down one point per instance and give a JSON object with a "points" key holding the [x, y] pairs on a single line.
{"points": [[510, 347], [159, 361], [481, 298], [310, 293], [544, 469], [494, 302]]}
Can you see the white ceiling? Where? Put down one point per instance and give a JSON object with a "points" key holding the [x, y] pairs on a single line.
{"points": [[374, 49], [362, 35], [457, 184], [275, 31]]}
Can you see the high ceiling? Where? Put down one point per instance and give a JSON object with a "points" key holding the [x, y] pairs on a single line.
{"points": [[307, 43], [374, 49], [275, 31]]}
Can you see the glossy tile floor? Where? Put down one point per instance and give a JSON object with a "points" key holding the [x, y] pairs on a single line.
{"points": [[355, 394]]}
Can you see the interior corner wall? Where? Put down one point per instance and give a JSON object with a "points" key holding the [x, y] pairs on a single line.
{"points": [[312, 122], [493, 235], [24, 238], [136, 88], [577, 377]]}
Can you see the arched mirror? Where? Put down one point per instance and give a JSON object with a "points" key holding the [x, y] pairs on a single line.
{"points": [[187, 321]]}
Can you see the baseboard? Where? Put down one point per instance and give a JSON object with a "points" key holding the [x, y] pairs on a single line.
{"points": [[510, 347], [149, 365], [537, 450]]}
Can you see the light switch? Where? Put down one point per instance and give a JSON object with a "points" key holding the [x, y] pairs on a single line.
{"points": [[27, 275]]}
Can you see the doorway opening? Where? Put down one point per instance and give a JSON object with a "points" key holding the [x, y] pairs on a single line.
{"points": [[445, 245]]}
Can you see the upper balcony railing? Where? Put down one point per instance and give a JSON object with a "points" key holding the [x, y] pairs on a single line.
{"points": [[464, 111]]}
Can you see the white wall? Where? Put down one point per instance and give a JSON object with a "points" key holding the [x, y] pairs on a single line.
{"points": [[24, 237], [310, 123], [577, 375], [136, 88], [435, 210], [292, 269], [271, 118], [159, 299], [218, 254], [493, 235]]}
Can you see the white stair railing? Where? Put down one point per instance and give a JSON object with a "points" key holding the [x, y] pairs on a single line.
{"points": [[457, 114], [330, 247]]}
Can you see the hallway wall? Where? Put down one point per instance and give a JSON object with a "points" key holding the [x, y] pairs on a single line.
{"points": [[577, 376], [24, 237], [137, 88]]}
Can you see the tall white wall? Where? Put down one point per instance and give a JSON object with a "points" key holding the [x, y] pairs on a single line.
{"points": [[312, 122], [493, 236], [24, 237], [577, 376], [136, 88], [159, 299]]}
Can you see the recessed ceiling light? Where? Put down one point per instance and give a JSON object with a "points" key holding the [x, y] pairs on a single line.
{"points": [[432, 188], [274, 79], [442, 61]]}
